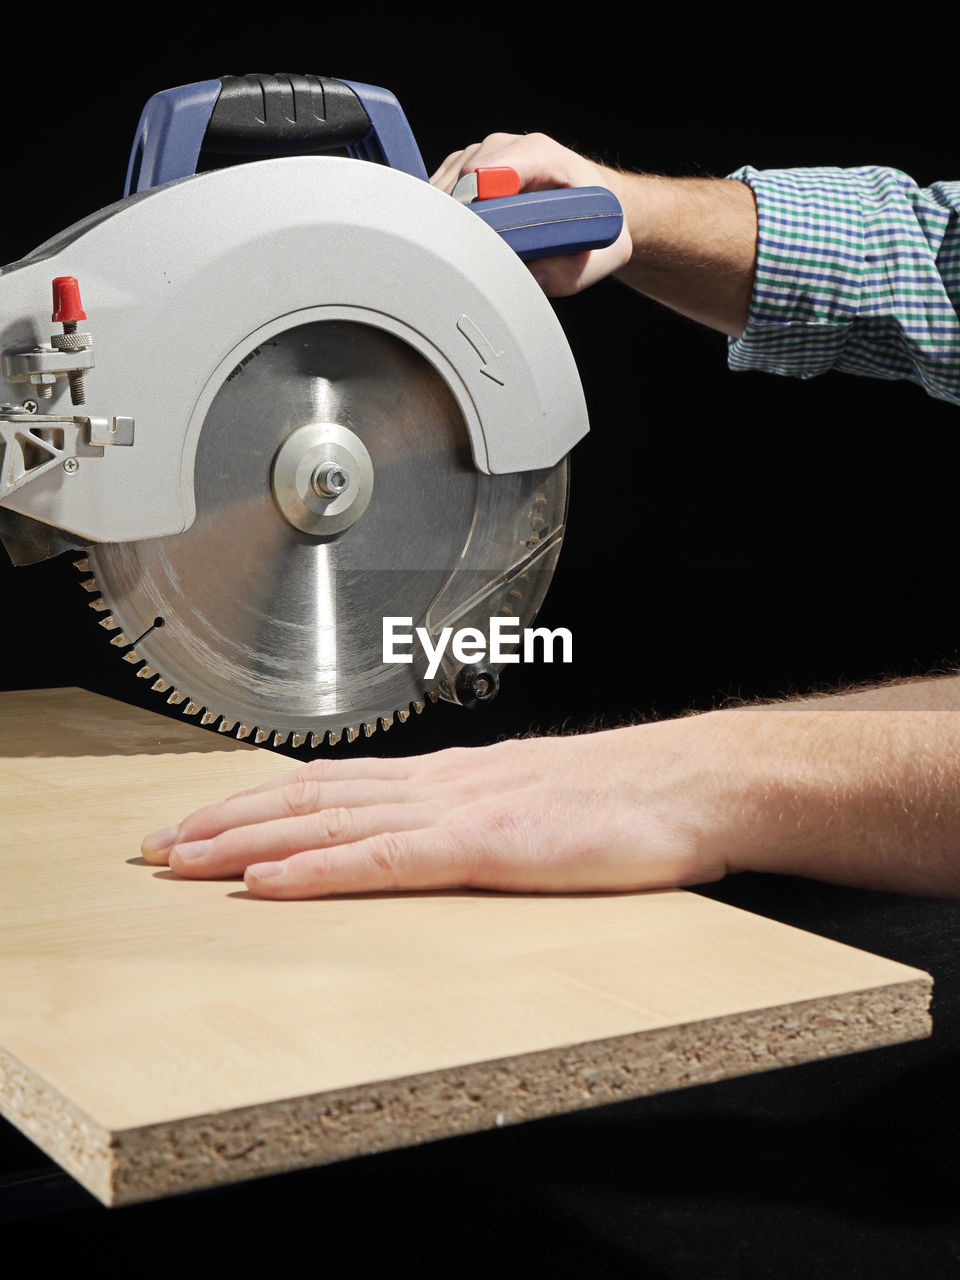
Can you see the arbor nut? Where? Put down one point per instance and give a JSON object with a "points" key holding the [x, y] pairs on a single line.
{"points": [[330, 479], [322, 478]]}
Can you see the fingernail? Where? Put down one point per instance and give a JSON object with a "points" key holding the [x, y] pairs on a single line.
{"points": [[193, 849], [264, 870], [160, 841]]}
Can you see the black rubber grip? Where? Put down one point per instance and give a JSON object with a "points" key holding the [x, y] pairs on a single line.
{"points": [[286, 115]]}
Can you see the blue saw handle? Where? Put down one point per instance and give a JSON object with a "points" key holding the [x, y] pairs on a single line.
{"points": [[261, 115], [268, 115], [538, 224]]}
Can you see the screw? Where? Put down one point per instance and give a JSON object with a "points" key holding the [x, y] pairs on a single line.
{"points": [[482, 686], [71, 466], [29, 406], [77, 393], [329, 480], [476, 684]]}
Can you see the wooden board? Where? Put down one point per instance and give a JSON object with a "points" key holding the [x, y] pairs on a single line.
{"points": [[159, 1035]]}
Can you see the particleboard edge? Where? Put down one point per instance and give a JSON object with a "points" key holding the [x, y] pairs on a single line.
{"points": [[198, 1152]]}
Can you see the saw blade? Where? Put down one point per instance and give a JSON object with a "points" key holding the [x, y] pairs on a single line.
{"points": [[257, 619]]}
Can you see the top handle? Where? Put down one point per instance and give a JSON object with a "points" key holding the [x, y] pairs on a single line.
{"points": [[261, 115]]}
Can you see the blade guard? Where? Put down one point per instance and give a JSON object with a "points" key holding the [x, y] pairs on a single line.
{"points": [[166, 278]]}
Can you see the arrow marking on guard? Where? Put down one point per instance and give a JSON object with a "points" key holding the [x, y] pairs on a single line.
{"points": [[483, 347]]}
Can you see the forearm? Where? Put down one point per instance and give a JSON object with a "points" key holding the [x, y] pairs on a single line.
{"points": [[807, 269], [861, 789], [694, 245]]}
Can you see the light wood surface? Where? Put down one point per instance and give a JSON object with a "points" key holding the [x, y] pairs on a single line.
{"points": [[158, 1035]]}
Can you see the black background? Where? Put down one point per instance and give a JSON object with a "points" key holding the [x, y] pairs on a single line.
{"points": [[731, 535]]}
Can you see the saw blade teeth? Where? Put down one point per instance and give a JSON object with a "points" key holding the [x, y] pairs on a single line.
{"points": [[83, 566], [214, 719]]}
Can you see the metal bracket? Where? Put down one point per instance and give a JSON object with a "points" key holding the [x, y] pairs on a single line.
{"points": [[42, 366], [115, 431], [32, 444]]}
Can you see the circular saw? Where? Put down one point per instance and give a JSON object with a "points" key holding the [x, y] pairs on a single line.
{"points": [[285, 402]]}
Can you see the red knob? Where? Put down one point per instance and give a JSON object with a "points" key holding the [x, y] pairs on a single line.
{"points": [[67, 306]]}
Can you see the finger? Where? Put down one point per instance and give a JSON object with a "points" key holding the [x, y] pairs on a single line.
{"points": [[564, 274], [296, 800], [561, 274], [539, 162], [231, 852], [423, 858], [455, 165], [156, 846], [450, 165], [478, 153]]}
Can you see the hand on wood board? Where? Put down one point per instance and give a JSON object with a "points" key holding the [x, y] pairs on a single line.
{"points": [[860, 789], [611, 810]]}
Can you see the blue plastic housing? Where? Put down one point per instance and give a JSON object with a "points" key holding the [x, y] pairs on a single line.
{"points": [[535, 224]]}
